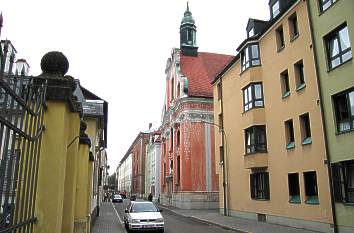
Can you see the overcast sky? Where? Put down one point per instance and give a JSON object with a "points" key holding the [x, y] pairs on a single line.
{"points": [[118, 49]]}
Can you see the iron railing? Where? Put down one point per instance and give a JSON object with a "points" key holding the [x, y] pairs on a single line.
{"points": [[22, 104]]}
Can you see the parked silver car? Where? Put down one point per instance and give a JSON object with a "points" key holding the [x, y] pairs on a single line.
{"points": [[143, 216]]}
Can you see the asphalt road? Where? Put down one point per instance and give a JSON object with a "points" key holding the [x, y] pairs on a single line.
{"points": [[175, 223]]}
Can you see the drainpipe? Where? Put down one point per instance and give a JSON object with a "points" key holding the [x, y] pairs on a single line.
{"points": [[333, 204], [224, 150]]}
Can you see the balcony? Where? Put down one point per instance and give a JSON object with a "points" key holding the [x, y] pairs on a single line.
{"points": [[258, 160]]}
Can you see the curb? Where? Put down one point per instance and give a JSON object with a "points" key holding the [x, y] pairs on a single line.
{"points": [[206, 221]]}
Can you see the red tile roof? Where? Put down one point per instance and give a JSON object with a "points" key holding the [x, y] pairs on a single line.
{"points": [[201, 71]]}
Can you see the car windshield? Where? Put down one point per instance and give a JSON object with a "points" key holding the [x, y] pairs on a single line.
{"points": [[117, 196], [143, 207]]}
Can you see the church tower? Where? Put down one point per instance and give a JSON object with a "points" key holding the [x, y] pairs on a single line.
{"points": [[0, 23], [188, 33]]}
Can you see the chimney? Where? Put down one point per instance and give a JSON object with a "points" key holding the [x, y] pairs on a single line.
{"points": [[150, 125]]}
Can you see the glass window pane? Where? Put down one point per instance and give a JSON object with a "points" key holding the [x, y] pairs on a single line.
{"points": [[344, 38], [335, 62], [251, 32], [347, 56], [258, 103], [325, 4], [275, 9], [245, 94], [246, 55], [250, 97], [333, 47], [254, 49], [255, 62], [258, 91], [248, 138], [351, 101]]}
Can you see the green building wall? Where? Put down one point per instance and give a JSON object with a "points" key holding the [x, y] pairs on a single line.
{"points": [[340, 145]]}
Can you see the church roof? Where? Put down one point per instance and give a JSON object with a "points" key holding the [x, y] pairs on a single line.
{"points": [[201, 71]]}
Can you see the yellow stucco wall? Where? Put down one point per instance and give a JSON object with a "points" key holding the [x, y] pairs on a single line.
{"points": [[277, 110], [71, 173], [52, 168], [81, 223]]}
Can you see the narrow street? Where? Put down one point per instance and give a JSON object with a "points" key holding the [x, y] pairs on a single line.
{"points": [[175, 223]]}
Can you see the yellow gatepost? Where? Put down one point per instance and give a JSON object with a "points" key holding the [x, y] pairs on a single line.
{"points": [[56, 184], [81, 223], [89, 189], [71, 173], [51, 173]]}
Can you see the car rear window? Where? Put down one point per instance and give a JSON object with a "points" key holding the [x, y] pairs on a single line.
{"points": [[143, 207]]}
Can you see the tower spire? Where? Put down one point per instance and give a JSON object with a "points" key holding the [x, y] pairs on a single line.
{"points": [[188, 42], [0, 22]]}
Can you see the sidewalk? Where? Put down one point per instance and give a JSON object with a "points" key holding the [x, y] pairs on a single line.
{"points": [[108, 221], [233, 223]]}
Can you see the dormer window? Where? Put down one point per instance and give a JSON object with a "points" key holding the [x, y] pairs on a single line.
{"points": [[250, 56], [275, 9], [251, 32]]}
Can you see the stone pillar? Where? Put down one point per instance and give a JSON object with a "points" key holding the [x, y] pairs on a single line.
{"points": [[82, 183], [71, 174], [59, 119]]}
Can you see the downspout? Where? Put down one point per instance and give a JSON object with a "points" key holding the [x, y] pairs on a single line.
{"points": [[224, 150], [334, 215]]}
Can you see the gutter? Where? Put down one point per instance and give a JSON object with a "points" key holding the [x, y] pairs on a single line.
{"points": [[333, 204]]}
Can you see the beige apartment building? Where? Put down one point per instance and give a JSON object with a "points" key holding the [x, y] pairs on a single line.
{"points": [[267, 106]]}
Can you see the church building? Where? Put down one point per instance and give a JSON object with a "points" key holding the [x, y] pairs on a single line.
{"points": [[189, 174]]}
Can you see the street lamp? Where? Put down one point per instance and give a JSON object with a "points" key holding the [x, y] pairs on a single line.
{"points": [[222, 161]]}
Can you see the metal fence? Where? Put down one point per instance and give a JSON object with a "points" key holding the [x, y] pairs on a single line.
{"points": [[22, 104]]}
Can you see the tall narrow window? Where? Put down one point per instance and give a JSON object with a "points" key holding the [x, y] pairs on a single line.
{"points": [[280, 38], [285, 87], [325, 4], [221, 123], [178, 169], [275, 9], [172, 89], [253, 96], [250, 56], [343, 181], [255, 139], [289, 133], [221, 151], [219, 90], [294, 188], [178, 89], [344, 110], [311, 189], [259, 186], [164, 173], [178, 138], [294, 30], [171, 140], [305, 129], [338, 47], [299, 75], [251, 32]]}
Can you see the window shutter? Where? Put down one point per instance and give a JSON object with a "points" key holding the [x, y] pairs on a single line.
{"points": [[337, 182], [252, 186], [266, 186]]}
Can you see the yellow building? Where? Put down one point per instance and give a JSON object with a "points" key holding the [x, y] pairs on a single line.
{"points": [[267, 105]]}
